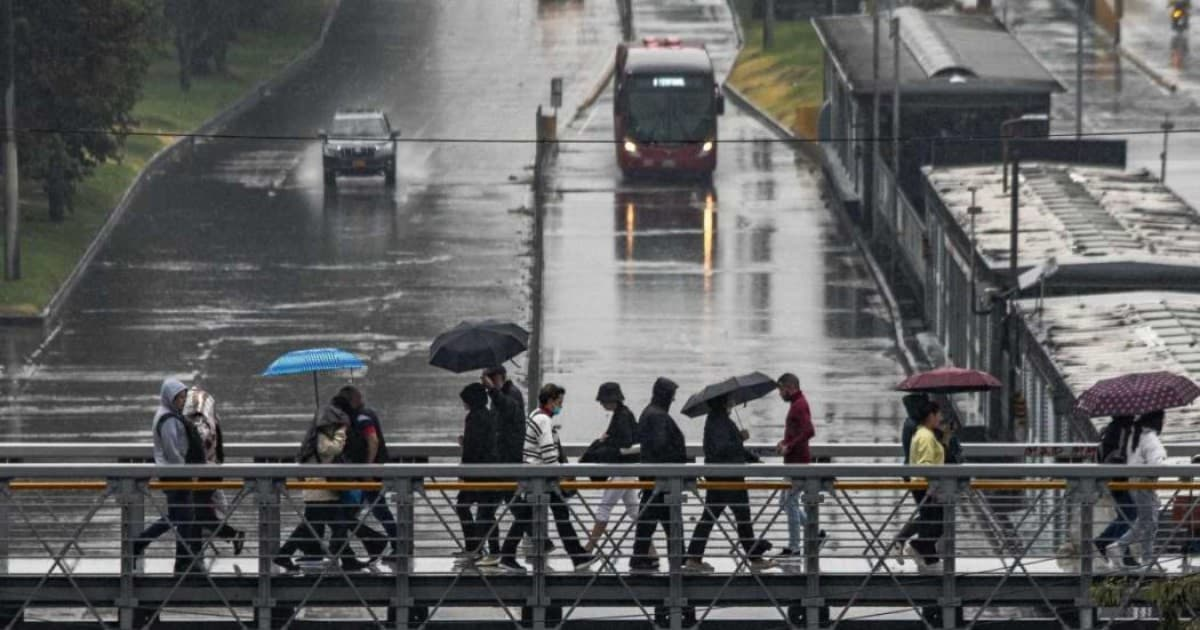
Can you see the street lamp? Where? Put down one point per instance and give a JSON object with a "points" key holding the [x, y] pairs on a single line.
{"points": [[1024, 118]]}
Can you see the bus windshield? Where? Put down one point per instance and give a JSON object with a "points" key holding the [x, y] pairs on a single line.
{"points": [[673, 109]]}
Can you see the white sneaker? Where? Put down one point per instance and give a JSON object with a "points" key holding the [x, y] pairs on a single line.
{"points": [[762, 564], [698, 567], [914, 555]]}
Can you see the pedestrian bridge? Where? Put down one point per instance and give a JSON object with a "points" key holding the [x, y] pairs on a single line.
{"points": [[1013, 532]]}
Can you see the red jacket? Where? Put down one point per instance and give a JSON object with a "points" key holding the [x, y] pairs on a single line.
{"points": [[798, 431]]}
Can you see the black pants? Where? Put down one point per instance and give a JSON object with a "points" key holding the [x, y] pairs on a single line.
{"points": [[207, 520], [382, 513], [930, 516], [479, 528], [319, 517], [181, 517], [522, 525], [715, 502], [654, 510]]}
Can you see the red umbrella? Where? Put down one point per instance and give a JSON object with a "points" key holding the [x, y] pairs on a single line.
{"points": [[1134, 394], [949, 380]]}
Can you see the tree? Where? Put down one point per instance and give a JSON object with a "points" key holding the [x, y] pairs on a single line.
{"points": [[80, 67], [203, 31]]}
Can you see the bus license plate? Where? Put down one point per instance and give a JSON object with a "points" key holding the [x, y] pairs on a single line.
{"points": [[668, 163], [360, 164]]}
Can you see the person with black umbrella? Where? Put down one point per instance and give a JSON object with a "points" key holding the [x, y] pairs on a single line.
{"points": [[509, 406], [662, 443], [724, 443]]}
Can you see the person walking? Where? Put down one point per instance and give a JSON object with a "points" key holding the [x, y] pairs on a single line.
{"points": [[324, 510], [176, 442], [1114, 441], [620, 438], [542, 448], [211, 516], [914, 407], [509, 406], [1145, 449], [661, 442], [927, 450], [724, 443], [365, 444], [798, 431], [481, 540]]}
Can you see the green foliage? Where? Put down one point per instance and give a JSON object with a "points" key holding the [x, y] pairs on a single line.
{"points": [[79, 69], [203, 31], [1174, 597]]}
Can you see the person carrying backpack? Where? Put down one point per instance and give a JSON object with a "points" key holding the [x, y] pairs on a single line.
{"points": [[176, 442], [1114, 440]]}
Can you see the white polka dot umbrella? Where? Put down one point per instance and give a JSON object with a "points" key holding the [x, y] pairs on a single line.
{"points": [[1134, 394]]}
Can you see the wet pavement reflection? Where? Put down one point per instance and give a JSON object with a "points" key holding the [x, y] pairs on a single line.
{"points": [[697, 282]]}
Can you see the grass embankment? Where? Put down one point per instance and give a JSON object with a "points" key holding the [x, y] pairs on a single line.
{"points": [[50, 250], [785, 81]]}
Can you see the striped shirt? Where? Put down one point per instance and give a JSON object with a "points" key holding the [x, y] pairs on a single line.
{"points": [[541, 439]]}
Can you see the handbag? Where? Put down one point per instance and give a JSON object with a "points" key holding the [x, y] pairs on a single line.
{"points": [[600, 452]]}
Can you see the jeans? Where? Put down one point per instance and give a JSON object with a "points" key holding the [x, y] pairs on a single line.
{"points": [[522, 525], [796, 518], [1145, 528], [479, 529], [1126, 511], [715, 502], [181, 516], [308, 535], [930, 525]]}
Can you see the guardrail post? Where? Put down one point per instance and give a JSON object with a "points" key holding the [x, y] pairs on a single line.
{"points": [[675, 600], [132, 508], [266, 493], [946, 491], [403, 548], [813, 602], [538, 500], [5, 524], [1086, 494]]}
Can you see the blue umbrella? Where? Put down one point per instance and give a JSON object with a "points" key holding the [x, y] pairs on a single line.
{"points": [[312, 361]]}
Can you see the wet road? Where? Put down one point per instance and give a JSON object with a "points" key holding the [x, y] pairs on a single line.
{"points": [[652, 278], [236, 254], [1118, 96]]}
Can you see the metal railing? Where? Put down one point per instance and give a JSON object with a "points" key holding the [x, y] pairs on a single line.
{"points": [[1008, 535]]}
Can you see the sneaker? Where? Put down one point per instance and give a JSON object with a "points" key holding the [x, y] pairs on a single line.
{"points": [[1127, 560], [926, 568], [467, 559], [509, 565], [286, 564], [697, 567], [643, 567], [488, 561], [583, 563], [915, 555], [785, 554], [896, 551], [762, 564]]}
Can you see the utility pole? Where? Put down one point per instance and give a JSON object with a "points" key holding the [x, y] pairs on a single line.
{"points": [[1081, 7], [12, 223], [875, 123], [895, 118], [768, 24], [1010, 315], [1167, 126]]}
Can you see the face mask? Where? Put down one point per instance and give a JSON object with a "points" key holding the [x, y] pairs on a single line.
{"points": [[556, 411]]}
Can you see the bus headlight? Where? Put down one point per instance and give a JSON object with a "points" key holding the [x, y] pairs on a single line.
{"points": [[631, 147], [707, 147]]}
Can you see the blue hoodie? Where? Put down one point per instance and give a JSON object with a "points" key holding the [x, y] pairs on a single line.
{"points": [[170, 441]]}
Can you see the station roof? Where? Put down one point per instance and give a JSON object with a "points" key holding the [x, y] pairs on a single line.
{"points": [[940, 53], [684, 60], [1097, 222], [1094, 337]]}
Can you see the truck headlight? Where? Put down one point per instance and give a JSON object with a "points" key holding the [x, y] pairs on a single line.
{"points": [[631, 147], [707, 147]]}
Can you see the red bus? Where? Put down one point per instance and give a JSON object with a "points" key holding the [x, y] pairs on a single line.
{"points": [[665, 108]]}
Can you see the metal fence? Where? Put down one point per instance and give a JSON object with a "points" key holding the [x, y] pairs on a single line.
{"points": [[1008, 535]]}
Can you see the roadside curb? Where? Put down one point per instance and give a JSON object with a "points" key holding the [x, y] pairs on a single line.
{"points": [[253, 97], [811, 152], [1145, 68], [597, 90]]}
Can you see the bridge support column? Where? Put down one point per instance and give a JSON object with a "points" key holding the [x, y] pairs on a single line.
{"points": [[946, 491], [539, 499], [813, 602], [1086, 493], [133, 512], [266, 493], [675, 599], [401, 612]]}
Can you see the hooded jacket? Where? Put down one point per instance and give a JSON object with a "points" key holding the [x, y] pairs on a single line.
{"points": [[324, 444], [509, 407], [723, 442], [662, 441], [479, 427], [170, 435], [914, 406]]}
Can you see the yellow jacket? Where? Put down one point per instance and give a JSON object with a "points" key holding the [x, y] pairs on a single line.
{"points": [[926, 450]]}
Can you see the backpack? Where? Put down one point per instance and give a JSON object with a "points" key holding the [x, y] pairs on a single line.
{"points": [[195, 450], [1113, 441]]}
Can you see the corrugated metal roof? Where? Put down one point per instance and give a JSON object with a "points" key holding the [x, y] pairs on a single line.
{"points": [[1076, 214], [1089, 338], [938, 51]]}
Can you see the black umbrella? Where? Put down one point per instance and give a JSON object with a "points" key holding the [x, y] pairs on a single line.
{"points": [[739, 389], [478, 345]]}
